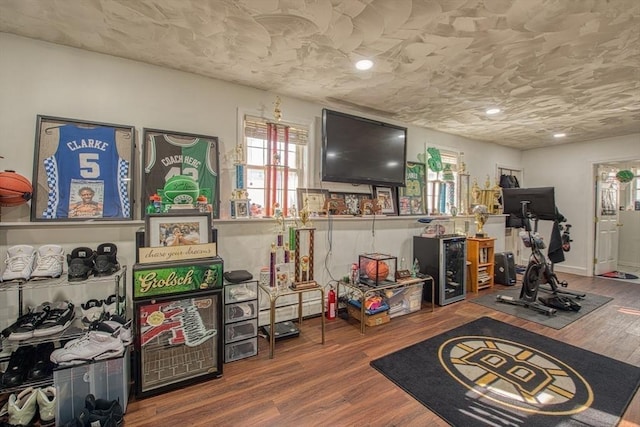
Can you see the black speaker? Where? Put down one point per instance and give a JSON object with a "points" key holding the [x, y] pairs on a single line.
{"points": [[504, 269]]}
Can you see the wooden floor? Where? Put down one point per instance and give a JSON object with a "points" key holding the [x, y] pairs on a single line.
{"points": [[309, 384]]}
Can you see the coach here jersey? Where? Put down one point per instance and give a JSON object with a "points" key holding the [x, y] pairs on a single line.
{"points": [[87, 155]]}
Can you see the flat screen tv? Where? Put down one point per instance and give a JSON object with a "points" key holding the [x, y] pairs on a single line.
{"points": [[362, 151]]}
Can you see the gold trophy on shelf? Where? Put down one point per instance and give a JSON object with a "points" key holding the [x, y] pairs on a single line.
{"points": [[481, 214]]}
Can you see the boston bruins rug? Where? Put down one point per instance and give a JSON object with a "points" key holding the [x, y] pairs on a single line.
{"points": [[489, 373]]}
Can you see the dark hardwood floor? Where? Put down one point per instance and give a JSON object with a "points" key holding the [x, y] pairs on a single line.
{"points": [[309, 384]]}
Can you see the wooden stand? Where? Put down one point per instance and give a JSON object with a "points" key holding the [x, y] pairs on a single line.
{"points": [[480, 253]]}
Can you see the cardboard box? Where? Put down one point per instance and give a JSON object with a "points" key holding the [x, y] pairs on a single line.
{"points": [[369, 319]]}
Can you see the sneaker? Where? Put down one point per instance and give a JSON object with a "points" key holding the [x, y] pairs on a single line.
{"points": [[49, 262], [92, 311], [106, 262], [87, 418], [46, 399], [80, 262], [19, 364], [42, 367], [20, 259], [22, 407], [25, 326], [103, 407], [95, 345], [114, 305], [58, 320], [117, 326]]}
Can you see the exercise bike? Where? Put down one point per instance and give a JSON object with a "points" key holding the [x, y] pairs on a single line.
{"points": [[528, 204]]}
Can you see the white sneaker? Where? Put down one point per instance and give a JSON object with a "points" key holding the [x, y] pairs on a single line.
{"points": [[20, 259], [46, 398], [22, 408], [114, 305], [95, 345], [117, 326], [49, 261]]}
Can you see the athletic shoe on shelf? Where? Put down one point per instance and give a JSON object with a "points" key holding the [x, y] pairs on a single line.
{"points": [[114, 305], [80, 262], [117, 326], [103, 407], [59, 319], [19, 364], [24, 327], [42, 367], [95, 345], [106, 262], [22, 407], [49, 261], [46, 398], [20, 260], [92, 311]]}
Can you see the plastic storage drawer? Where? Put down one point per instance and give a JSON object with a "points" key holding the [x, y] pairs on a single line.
{"points": [[107, 379], [240, 292], [240, 311], [239, 331], [241, 349]]}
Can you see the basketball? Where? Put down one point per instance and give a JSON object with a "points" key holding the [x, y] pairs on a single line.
{"points": [[180, 190], [15, 189], [377, 270]]}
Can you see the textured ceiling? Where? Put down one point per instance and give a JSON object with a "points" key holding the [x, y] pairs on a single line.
{"points": [[551, 65]]}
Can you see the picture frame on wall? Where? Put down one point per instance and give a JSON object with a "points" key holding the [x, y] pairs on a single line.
{"points": [[177, 229], [166, 154], [412, 197], [386, 197], [82, 170], [313, 199]]}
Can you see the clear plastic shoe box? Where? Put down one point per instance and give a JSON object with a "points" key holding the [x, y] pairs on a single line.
{"points": [[106, 379]]}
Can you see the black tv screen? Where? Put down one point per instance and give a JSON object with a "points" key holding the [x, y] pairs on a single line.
{"points": [[362, 151]]}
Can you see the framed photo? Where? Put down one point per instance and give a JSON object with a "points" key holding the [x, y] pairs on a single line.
{"points": [[82, 170], [177, 229], [411, 197], [168, 153], [352, 201], [240, 208], [312, 198], [386, 199]]}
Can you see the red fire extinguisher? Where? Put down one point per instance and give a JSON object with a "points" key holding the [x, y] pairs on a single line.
{"points": [[331, 304]]}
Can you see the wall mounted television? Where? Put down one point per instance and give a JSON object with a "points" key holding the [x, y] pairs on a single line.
{"points": [[362, 151]]}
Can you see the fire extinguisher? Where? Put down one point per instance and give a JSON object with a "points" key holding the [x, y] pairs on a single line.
{"points": [[331, 304]]}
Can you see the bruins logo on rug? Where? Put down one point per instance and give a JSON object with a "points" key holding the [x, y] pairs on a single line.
{"points": [[514, 375]]}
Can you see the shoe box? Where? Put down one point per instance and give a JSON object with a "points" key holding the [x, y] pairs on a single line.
{"points": [[106, 379]]}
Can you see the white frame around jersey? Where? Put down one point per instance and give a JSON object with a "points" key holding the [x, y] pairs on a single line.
{"points": [[57, 188]]}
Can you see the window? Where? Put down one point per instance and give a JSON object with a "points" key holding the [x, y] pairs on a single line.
{"points": [[275, 154], [441, 187]]}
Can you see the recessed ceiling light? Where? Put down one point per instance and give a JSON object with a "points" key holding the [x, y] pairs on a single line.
{"points": [[364, 64], [559, 135], [492, 111]]}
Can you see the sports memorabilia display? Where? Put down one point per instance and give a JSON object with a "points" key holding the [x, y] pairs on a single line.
{"points": [[168, 154], [82, 170]]}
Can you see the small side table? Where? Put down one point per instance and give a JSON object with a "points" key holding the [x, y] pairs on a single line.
{"points": [[274, 294]]}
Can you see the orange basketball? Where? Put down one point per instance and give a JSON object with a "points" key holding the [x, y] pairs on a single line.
{"points": [[15, 189], [377, 270]]}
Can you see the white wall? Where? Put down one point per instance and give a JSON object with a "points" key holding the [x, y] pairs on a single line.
{"points": [[569, 168]]}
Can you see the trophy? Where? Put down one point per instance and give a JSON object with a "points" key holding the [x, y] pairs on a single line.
{"points": [[482, 214]]}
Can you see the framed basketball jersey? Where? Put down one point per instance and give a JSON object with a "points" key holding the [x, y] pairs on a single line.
{"points": [[82, 170], [167, 154]]}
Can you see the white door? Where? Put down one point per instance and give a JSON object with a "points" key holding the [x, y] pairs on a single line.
{"points": [[606, 247]]}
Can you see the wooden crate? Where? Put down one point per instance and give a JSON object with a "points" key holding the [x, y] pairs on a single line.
{"points": [[369, 319]]}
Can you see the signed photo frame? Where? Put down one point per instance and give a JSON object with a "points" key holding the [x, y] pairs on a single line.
{"points": [[177, 229], [411, 197], [82, 170], [313, 198], [168, 153], [386, 197]]}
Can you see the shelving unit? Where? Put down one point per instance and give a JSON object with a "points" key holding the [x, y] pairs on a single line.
{"points": [[480, 253]]}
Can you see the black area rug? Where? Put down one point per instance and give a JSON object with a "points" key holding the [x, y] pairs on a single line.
{"points": [[489, 373], [558, 321]]}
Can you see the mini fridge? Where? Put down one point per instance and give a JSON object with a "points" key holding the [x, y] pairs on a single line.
{"points": [[444, 259]]}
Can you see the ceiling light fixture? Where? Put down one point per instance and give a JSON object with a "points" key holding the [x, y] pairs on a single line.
{"points": [[492, 111], [559, 135], [364, 64]]}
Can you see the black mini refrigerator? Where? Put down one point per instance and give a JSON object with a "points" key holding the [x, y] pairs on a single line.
{"points": [[444, 259]]}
